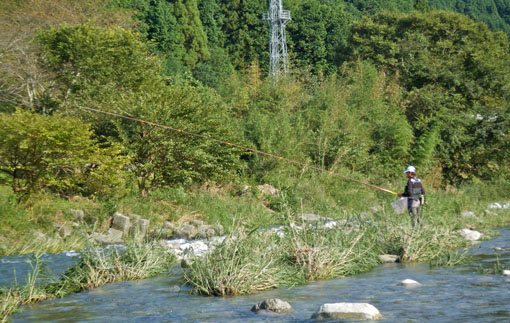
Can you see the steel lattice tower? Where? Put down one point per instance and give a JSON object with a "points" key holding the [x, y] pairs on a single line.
{"points": [[276, 18]]}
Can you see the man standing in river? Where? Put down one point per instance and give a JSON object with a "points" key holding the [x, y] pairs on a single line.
{"points": [[415, 195]]}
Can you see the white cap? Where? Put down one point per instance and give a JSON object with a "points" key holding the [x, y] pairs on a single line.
{"points": [[410, 169]]}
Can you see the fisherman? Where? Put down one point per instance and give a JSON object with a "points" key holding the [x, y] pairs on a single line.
{"points": [[415, 195]]}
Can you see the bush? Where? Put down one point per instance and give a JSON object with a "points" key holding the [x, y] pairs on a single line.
{"points": [[57, 152]]}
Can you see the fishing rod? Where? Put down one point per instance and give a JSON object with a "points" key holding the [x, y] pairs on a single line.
{"points": [[260, 152]]}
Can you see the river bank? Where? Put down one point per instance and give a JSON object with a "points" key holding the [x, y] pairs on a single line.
{"points": [[469, 292], [299, 252]]}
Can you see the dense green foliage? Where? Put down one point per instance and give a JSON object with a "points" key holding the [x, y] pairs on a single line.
{"points": [[57, 152]]}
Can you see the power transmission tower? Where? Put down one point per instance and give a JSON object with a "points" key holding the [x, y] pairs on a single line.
{"points": [[276, 18]]}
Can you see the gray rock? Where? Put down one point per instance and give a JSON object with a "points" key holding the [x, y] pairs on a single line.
{"points": [[196, 223], [219, 229], [121, 222], [385, 259], [409, 283], [487, 212], [244, 191], [65, 231], [347, 311], [495, 206], [268, 189], [78, 215], [205, 231], [169, 226], [139, 229], [185, 231], [134, 217], [274, 305], [310, 217], [470, 235], [468, 214], [113, 237]]}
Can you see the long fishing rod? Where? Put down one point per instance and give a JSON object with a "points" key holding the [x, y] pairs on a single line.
{"points": [[153, 124]]}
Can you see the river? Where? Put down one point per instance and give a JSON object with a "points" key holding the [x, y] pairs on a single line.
{"points": [[466, 293]]}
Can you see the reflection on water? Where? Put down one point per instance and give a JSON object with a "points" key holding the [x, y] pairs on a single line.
{"points": [[446, 295]]}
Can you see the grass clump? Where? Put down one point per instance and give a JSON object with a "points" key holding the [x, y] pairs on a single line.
{"points": [[324, 254], [244, 263], [94, 268], [250, 262]]}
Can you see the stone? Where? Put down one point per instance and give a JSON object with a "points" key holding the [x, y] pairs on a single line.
{"points": [[65, 231], [205, 231], [274, 305], [268, 189], [468, 214], [244, 191], [470, 235], [113, 237], [139, 229], [121, 222], [506, 272], [310, 217], [78, 215], [495, 206], [409, 283], [196, 223], [386, 259], [219, 229], [347, 311], [169, 226], [185, 231], [487, 212], [134, 217]]}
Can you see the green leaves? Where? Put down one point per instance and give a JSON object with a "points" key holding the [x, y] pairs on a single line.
{"points": [[54, 152]]}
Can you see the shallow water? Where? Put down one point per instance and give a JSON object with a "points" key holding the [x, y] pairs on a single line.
{"points": [[462, 294]]}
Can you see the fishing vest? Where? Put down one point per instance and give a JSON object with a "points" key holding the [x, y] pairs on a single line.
{"points": [[415, 188]]}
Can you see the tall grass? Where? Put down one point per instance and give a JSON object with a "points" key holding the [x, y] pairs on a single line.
{"points": [[94, 268]]}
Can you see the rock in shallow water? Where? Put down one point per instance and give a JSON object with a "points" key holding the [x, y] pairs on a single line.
{"points": [[409, 282], [385, 259], [506, 272], [347, 311], [273, 304]]}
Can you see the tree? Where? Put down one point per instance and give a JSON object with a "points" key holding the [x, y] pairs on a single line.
{"points": [[454, 72], [162, 157], [56, 152]]}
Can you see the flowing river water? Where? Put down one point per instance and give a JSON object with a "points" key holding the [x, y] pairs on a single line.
{"points": [[467, 293]]}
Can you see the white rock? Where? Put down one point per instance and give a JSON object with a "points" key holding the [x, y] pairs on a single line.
{"points": [[347, 311], [506, 272], [471, 235], [468, 214], [495, 206], [409, 282], [330, 224]]}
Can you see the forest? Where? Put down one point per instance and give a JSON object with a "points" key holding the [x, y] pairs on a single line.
{"points": [[374, 86]]}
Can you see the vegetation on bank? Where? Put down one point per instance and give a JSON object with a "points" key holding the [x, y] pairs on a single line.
{"points": [[94, 268]]}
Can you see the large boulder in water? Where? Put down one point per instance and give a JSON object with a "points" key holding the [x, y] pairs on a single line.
{"points": [[273, 304], [347, 311]]}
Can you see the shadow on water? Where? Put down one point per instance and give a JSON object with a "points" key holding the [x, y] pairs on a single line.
{"points": [[462, 294]]}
